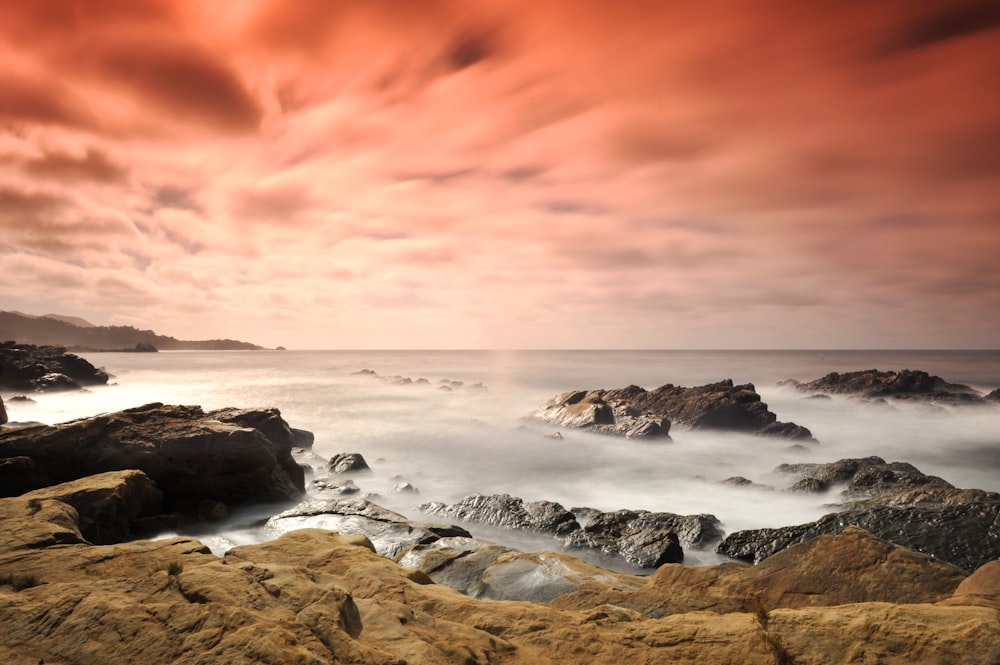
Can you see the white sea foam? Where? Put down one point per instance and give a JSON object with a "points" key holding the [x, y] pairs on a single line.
{"points": [[451, 443]]}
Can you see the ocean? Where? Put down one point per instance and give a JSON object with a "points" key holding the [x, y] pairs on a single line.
{"points": [[450, 440]]}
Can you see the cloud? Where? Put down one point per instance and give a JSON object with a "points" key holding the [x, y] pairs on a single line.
{"points": [[93, 165]]}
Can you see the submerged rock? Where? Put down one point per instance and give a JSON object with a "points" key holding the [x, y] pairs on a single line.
{"points": [[45, 368], [636, 412], [190, 455], [903, 385]]}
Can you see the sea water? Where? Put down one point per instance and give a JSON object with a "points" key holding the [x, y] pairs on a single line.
{"points": [[449, 440]]}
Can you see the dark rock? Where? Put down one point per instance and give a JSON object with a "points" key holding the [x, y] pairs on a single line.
{"points": [[390, 533], [3, 413], [190, 455], [21, 398], [636, 412], [508, 512], [29, 367], [303, 438], [348, 463], [108, 504], [905, 384], [865, 476], [810, 486], [994, 396], [738, 481], [955, 526], [647, 539], [210, 510], [145, 347]]}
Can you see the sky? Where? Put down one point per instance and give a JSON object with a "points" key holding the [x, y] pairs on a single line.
{"points": [[506, 173]]}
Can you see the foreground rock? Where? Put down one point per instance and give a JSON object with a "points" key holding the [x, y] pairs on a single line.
{"points": [[232, 455], [905, 507], [636, 412], [642, 538], [315, 597], [45, 368], [902, 385]]}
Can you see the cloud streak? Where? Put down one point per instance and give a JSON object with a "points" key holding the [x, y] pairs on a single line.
{"points": [[506, 173]]}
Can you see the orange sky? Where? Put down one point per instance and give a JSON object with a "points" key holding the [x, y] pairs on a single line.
{"points": [[506, 173]]}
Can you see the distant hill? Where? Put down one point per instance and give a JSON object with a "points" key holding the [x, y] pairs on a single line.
{"points": [[77, 334]]}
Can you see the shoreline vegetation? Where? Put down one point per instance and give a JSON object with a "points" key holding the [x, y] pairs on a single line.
{"points": [[904, 569]]}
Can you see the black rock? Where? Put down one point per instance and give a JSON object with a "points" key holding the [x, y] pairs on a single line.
{"points": [[902, 385], [508, 512], [45, 368], [348, 463], [864, 476]]}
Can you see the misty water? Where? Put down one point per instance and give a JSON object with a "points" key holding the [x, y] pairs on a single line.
{"points": [[449, 443]]}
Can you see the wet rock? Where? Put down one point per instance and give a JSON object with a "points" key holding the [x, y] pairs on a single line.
{"points": [[336, 487], [636, 412], [647, 539], [508, 512], [994, 396], [45, 368], [905, 384], [210, 510], [349, 463], [389, 532], [3, 413], [864, 476], [303, 438], [190, 455], [962, 532], [810, 486]]}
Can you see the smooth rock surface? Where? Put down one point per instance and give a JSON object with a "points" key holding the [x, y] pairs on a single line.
{"points": [[190, 455]]}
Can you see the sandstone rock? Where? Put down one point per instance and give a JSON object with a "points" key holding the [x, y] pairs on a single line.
{"points": [[905, 384], [108, 504], [348, 463], [190, 455], [390, 533], [30, 367], [981, 588], [633, 411], [508, 512], [315, 597]]}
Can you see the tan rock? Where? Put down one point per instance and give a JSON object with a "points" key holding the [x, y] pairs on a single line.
{"points": [[106, 503], [980, 588]]}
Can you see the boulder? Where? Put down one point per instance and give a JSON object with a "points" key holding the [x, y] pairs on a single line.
{"points": [[45, 368], [860, 477], [389, 532], [636, 412], [348, 463], [507, 512], [981, 588], [644, 538], [107, 504], [905, 384], [961, 531], [3, 413], [190, 455]]}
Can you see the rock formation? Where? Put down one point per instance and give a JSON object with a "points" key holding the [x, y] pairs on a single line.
{"points": [[315, 597], [3, 413], [636, 412], [45, 368], [902, 385], [232, 455]]}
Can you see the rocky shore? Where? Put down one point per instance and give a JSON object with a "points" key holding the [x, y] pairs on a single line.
{"points": [[26, 367], [919, 583]]}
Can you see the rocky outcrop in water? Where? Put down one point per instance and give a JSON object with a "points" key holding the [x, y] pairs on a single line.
{"points": [[860, 477], [45, 368], [315, 597], [232, 455], [636, 412], [902, 385], [642, 538], [905, 507]]}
